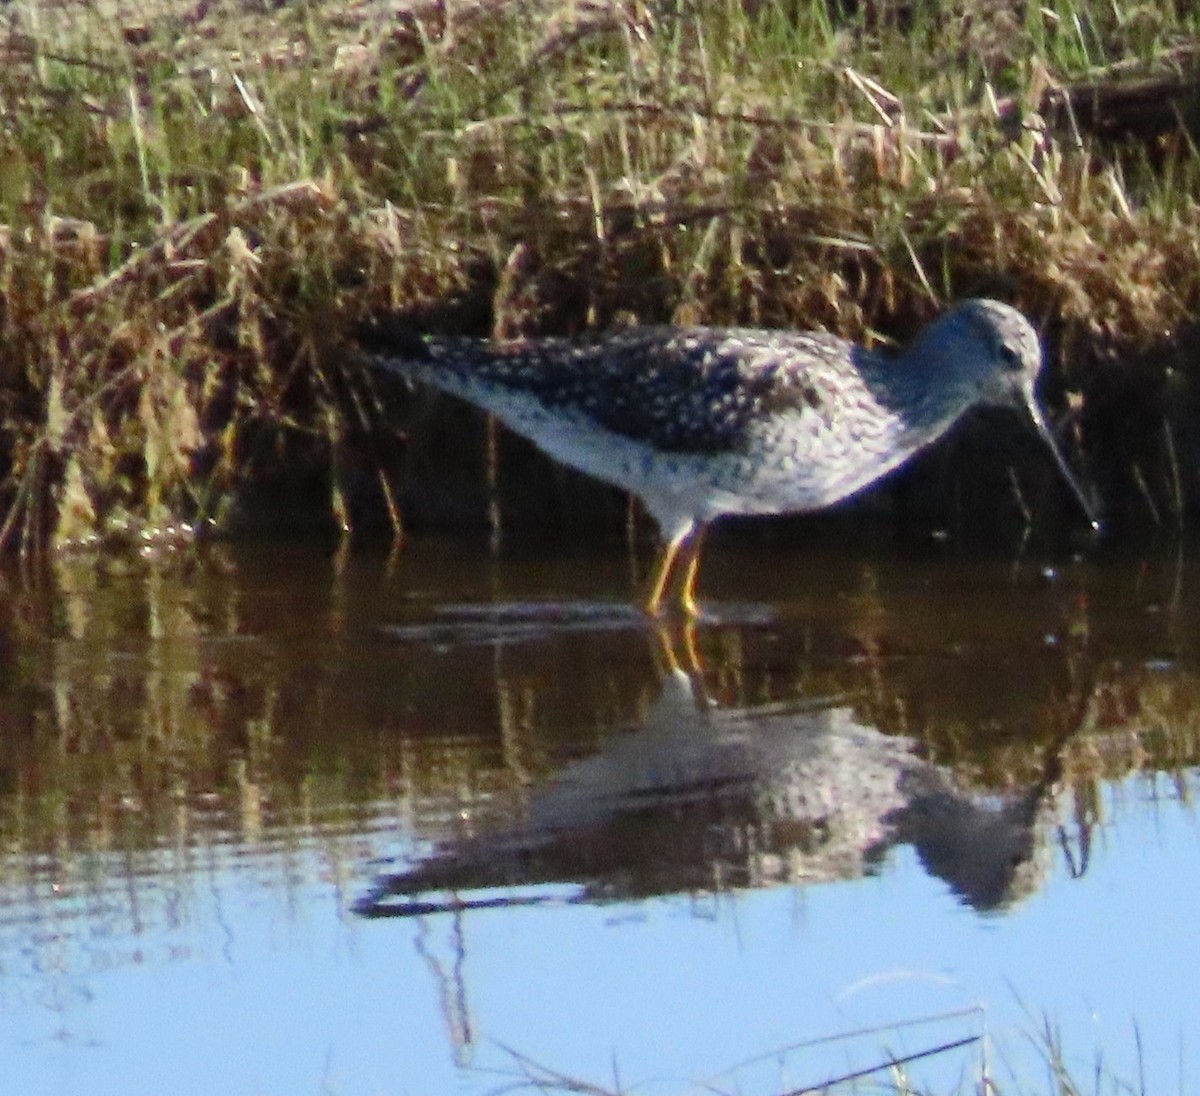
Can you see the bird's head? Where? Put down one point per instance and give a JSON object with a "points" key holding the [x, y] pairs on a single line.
{"points": [[994, 352]]}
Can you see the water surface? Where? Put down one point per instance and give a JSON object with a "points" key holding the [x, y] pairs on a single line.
{"points": [[280, 819]]}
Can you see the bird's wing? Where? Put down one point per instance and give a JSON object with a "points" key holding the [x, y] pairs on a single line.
{"points": [[686, 390]]}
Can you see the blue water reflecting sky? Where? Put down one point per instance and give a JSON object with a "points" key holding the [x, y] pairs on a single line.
{"points": [[252, 982]]}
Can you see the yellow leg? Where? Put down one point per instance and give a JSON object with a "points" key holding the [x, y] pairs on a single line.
{"points": [[695, 667], [677, 646], [666, 649], [666, 565], [690, 574], [680, 657]]}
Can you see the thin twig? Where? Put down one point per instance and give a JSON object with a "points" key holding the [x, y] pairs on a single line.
{"points": [[1140, 480], [1176, 480], [892, 1063], [1018, 494], [688, 111]]}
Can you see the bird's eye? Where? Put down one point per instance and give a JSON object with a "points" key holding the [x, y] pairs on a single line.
{"points": [[1011, 357]]}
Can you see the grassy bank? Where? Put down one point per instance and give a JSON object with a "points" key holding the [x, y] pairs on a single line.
{"points": [[199, 202]]}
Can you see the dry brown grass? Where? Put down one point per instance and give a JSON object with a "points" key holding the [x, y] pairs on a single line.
{"points": [[201, 201]]}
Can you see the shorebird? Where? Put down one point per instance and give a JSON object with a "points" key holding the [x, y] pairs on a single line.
{"points": [[700, 422]]}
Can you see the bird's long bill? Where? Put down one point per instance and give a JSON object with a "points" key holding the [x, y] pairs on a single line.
{"points": [[1043, 429]]}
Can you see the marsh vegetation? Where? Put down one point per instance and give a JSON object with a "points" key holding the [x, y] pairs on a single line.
{"points": [[199, 202]]}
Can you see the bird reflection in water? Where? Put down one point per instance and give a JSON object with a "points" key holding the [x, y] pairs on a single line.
{"points": [[704, 798]]}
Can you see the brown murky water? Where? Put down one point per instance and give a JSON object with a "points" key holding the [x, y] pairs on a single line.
{"points": [[279, 819]]}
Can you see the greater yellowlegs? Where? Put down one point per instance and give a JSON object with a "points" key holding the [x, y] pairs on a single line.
{"points": [[700, 422]]}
